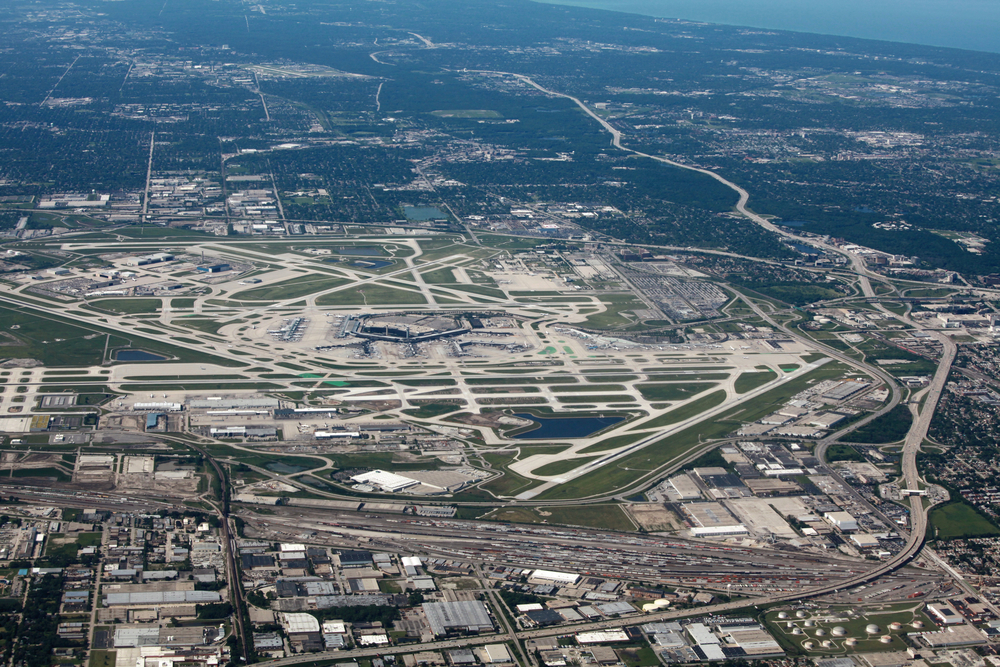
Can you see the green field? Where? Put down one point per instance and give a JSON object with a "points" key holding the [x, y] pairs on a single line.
{"points": [[291, 289], [612, 318], [371, 294], [890, 427], [55, 341], [684, 412], [750, 380], [613, 443], [680, 391], [128, 306], [442, 276], [89, 539], [429, 410], [604, 517], [601, 399], [589, 388], [559, 467], [959, 520], [843, 453], [510, 483]]}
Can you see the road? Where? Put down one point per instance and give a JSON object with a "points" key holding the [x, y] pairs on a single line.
{"points": [[923, 415], [229, 540]]}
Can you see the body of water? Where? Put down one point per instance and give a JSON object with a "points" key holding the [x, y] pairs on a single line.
{"points": [[283, 468], [137, 355], [371, 264], [804, 249], [960, 24], [565, 427]]}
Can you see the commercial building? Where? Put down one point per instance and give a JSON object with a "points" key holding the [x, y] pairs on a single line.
{"points": [[387, 481], [844, 390], [719, 531], [944, 613], [842, 520], [602, 637], [495, 654], [957, 635], [563, 578], [864, 540], [351, 559], [684, 487], [466, 615], [299, 623], [157, 598], [214, 268]]}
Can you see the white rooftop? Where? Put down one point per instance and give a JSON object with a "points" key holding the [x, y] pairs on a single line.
{"points": [[296, 623], [387, 480]]}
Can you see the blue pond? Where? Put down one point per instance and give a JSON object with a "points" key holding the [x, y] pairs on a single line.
{"points": [[137, 355], [804, 249], [283, 468], [371, 264], [565, 427]]}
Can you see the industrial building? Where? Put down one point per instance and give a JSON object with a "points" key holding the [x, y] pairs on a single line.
{"points": [[842, 520], [463, 616], [944, 613], [561, 578], [149, 259], [387, 481], [157, 598]]}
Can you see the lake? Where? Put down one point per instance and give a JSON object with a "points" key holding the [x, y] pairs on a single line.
{"points": [[137, 355], [960, 24], [283, 468], [565, 427]]}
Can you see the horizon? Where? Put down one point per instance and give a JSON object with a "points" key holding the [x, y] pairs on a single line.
{"points": [[968, 24]]}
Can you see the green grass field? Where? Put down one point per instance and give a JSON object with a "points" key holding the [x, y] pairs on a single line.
{"points": [[290, 289], [684, 412], [559, 467], [612, 318], [604, 517], [680, 391], [371, 294], [128, 306], [750, 380], [613, 443], [429, 410], [510, 483], [958, 520]]}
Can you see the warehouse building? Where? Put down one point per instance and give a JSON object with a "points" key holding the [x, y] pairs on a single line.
{"points": [[842, 520], [548, 576], [463, 616], [387, 481], [944, 613], [157, 598]]}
